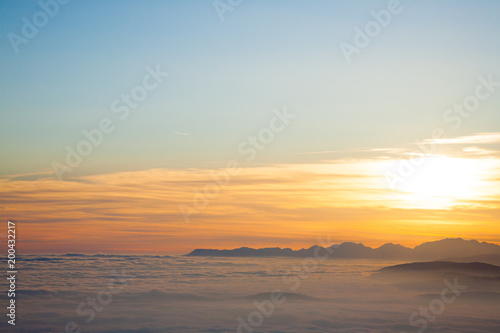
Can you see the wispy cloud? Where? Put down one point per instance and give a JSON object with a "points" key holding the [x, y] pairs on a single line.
{"points": [[355, 151], [294, 202], [480, 138], [476, 151], [319, 152], [181, 133]]}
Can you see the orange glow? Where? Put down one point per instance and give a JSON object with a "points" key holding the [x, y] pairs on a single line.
{"points": [[278, 205]]}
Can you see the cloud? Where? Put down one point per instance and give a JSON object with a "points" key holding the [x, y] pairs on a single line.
{"points": [[476, 151], [480, 138], [182, 294], [283, 205], [320, 152]]}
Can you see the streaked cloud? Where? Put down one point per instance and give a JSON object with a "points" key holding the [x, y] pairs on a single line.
{"points": [[181, 133], [480, 138], [293, 203]]}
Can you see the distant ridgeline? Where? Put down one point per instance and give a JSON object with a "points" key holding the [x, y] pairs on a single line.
{"points": [[451, 247]]}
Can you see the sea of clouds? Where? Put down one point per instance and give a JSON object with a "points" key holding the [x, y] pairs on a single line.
{"points": [[125, 293]]}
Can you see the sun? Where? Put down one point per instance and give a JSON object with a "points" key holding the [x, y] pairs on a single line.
{"points": [[441, 181]]}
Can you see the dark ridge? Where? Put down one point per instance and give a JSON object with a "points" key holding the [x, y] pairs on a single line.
{"points": [[443, 266]]}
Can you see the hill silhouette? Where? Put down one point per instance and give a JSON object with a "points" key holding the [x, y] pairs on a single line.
{"points": [[493, 259], [425, 276], [477, 268]]}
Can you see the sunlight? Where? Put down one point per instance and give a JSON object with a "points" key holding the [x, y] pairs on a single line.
{"points": [[441, 180]]}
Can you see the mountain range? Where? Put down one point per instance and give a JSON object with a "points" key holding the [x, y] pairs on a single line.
{"points": [[445, 248]]}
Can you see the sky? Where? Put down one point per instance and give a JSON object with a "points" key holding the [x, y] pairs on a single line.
{"points": [[339, 136]]}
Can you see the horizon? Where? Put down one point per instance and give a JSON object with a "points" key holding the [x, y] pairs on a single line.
{"points": [[243, 246]]}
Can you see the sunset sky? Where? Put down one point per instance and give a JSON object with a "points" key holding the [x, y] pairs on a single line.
{"points": [[401, 144]]}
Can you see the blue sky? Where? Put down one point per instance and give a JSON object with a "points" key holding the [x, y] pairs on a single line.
{"points": [[227, 76]]}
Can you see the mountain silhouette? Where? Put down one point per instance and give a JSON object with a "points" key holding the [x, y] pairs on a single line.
{"points": [[445, 248], [455, 247]]}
